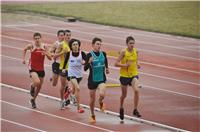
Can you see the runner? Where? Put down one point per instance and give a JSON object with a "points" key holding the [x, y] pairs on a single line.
{"points": [[96, 61], [56, 63], [36, 65], [128, 63], [75, 59], [60, 52]]}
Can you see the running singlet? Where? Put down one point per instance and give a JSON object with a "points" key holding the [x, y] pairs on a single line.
{"points": [[36, 61], [66, 49], [98, 66], [132, 69], [75, 66]]}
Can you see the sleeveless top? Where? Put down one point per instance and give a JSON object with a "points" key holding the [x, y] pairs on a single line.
{"points": [[66, 48], [36, 61], [132, 69], [75, 66], [98, 66]]}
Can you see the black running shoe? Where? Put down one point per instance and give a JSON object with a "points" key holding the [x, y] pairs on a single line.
{"points": [[32, 91], [67, 102], [121, 113], [136, 113], [32, 101]]}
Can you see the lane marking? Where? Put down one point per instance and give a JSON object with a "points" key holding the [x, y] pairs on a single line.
{"points": [[117, 81], [85, 106], [18, 25], [108, 36], [132, 31], [148, 63], [147, 74], [19, 124], [144, 50], [55, 116]]}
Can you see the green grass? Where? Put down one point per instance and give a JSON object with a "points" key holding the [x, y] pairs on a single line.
{"points": [[179, 18]]}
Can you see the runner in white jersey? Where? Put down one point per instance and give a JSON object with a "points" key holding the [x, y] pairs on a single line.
{"points": [[75, 59], [56, 63]]}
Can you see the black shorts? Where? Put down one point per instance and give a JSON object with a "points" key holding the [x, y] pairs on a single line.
{"points": [[94, 85], [78, 79], [63, 74], [39, 73], [55, 67], [126, 80]]}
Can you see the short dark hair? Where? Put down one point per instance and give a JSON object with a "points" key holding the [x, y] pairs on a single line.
{"points": [[129, 38], [96, 39], [60, 31], [37, 34], [67, 31], [72, 41]]}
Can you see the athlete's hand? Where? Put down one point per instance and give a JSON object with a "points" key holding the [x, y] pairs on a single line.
{"points": [[107, 71], [63, 70], [82, 62], [90, 60], [23, 61], [128, 63], [138, 66]]}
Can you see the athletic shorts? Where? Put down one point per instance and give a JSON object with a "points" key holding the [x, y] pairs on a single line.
{"points": [[94, 85], [63, 74], [39, 73], [55, 67], [78, 79], [126, 80]]}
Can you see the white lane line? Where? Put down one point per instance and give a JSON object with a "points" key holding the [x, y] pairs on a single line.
{"points": [[122, 39], [147, 74], [148, 63], [132, 31], [144, 50], [19, 124], [107, 112], [59, 117], [117, 81], [19, 25]]}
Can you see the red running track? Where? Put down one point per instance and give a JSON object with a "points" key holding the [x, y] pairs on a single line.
{"points": [[169, 74]]}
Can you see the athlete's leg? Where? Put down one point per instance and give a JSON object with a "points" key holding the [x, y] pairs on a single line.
{"points": [[135, 86], [35, 81], [123, 95], [102, 93], [38, 88], [77, 90], [92, 100], [54, 79]]}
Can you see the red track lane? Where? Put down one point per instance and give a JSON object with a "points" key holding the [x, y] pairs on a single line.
{"points": [[53, 119], [165, 107]]}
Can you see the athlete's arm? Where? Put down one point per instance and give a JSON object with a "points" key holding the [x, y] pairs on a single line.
{"points": [[138, 65], [106, 63], [88, 61], [118, 61], [47, 53], [66, 60], [28, 47]]}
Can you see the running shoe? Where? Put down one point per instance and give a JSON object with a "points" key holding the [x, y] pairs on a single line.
{"points": [[136, 113], [92, 119], [80, 110], [32, 102], [62, 105], [102, 107], [121, 113], [67, 102], [32, 91], [73, 99]]}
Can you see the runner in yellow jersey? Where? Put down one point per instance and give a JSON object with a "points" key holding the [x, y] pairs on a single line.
{"points": [[60, 52], [128, 63]]}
